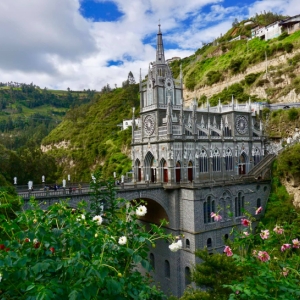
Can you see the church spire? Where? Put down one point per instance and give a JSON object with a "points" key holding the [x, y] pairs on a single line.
{"points": [[160, 55]]}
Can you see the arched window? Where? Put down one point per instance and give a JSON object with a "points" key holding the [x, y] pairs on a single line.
{"points": [[239, 205], [187, 273], [201, 133], [228, 160], [138, 170], [226, 131], [243, 159], [256, 157], [178, 172], [214, 133], [190, 171], [203, 162], [187, 243], [258, 202], [167, 269], [208, 208], [152, 261], [164, 171], [216, 161], [149, 169], [209, 243]]}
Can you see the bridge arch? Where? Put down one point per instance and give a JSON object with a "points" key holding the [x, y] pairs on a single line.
{"points": [[157, 207]]}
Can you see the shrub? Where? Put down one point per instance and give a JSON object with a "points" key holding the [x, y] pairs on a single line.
{"points": [[283, 36], [213, 77], [250, 78], [63, 253], [262, 82], [288, 47], [293, 114], [278, 80], [235, 65]]}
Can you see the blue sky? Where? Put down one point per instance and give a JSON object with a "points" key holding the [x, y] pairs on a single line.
{"points": [[84, 44]]}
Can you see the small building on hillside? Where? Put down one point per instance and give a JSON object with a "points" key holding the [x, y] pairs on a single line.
{"points": [[273, 30], [291, 24], [173, 59], [127, 123], [258, 31]]}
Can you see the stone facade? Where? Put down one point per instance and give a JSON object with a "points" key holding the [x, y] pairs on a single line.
{"points": [[199, 157]]}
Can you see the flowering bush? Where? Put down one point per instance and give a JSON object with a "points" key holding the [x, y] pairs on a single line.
{"points": [[64, 253], [270, 260]]}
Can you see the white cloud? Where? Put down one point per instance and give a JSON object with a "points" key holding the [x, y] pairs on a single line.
{"points": [[285, 7], [49, 43]]}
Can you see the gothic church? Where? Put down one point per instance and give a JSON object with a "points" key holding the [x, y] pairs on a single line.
{"points": [[200, 156]]}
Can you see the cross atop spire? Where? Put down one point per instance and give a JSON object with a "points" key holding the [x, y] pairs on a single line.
{"points": [[160, 55]]}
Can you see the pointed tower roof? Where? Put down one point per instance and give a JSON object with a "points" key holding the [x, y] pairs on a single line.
{"points": [[160, 54]]}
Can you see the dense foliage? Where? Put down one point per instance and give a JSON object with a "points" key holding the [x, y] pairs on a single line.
{"points": [[28, 113], [65, 253], [93, 137], [27, 163]]}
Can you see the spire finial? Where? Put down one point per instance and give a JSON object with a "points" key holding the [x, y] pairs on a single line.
{"points": [[160, 55]]}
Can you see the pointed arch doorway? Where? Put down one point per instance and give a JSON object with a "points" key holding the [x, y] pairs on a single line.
{"points": [[149, 168], [242, 163], [138, 170]]}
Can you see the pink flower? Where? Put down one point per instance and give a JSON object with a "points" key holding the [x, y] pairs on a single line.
{"points": [[278, 230], [285, 272], [245, 222], [285, 246], [264, 234], [216, 216], [296, 243], [263, 256], [258, 211], [228, 251], [245, 233]]}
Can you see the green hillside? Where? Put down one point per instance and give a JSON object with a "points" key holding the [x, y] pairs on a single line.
{"points": [[29, 113], [92, 136], [221, 60]]}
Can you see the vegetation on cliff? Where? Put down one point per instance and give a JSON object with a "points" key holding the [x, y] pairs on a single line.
{"points": [[93, 138]]}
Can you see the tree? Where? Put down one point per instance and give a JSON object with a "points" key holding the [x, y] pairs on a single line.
{"points": [[131, 79], [211, 274]]}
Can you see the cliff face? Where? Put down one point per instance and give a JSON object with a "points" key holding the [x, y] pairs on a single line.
{"points": [[267, 69]]}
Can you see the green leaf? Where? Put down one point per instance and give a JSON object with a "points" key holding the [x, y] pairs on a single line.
{"points": [[73, 295], [146, 265], [137, 258], [39, 267], [30, 287]]}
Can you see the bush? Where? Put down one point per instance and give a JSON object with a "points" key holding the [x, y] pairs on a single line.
{"points": [[293, 114], [63, 253], [213, 77], [283, 36], [288, 47], [278, 80], [262, 82], [235, 65], [250, 78]]}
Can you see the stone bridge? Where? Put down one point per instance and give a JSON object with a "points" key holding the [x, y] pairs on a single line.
{"points": [[187, 208]]}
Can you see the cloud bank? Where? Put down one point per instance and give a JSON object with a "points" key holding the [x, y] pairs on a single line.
{"points": [[51, 44]]}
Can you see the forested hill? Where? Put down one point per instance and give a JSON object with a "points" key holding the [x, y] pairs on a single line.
{"points": [[89, 137]]}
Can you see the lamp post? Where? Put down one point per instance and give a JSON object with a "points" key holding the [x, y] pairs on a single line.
{"points": [[43, 181], [64, 183]]}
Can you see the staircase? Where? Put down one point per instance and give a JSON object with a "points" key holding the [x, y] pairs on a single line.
{"points": [[264, 164]]}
